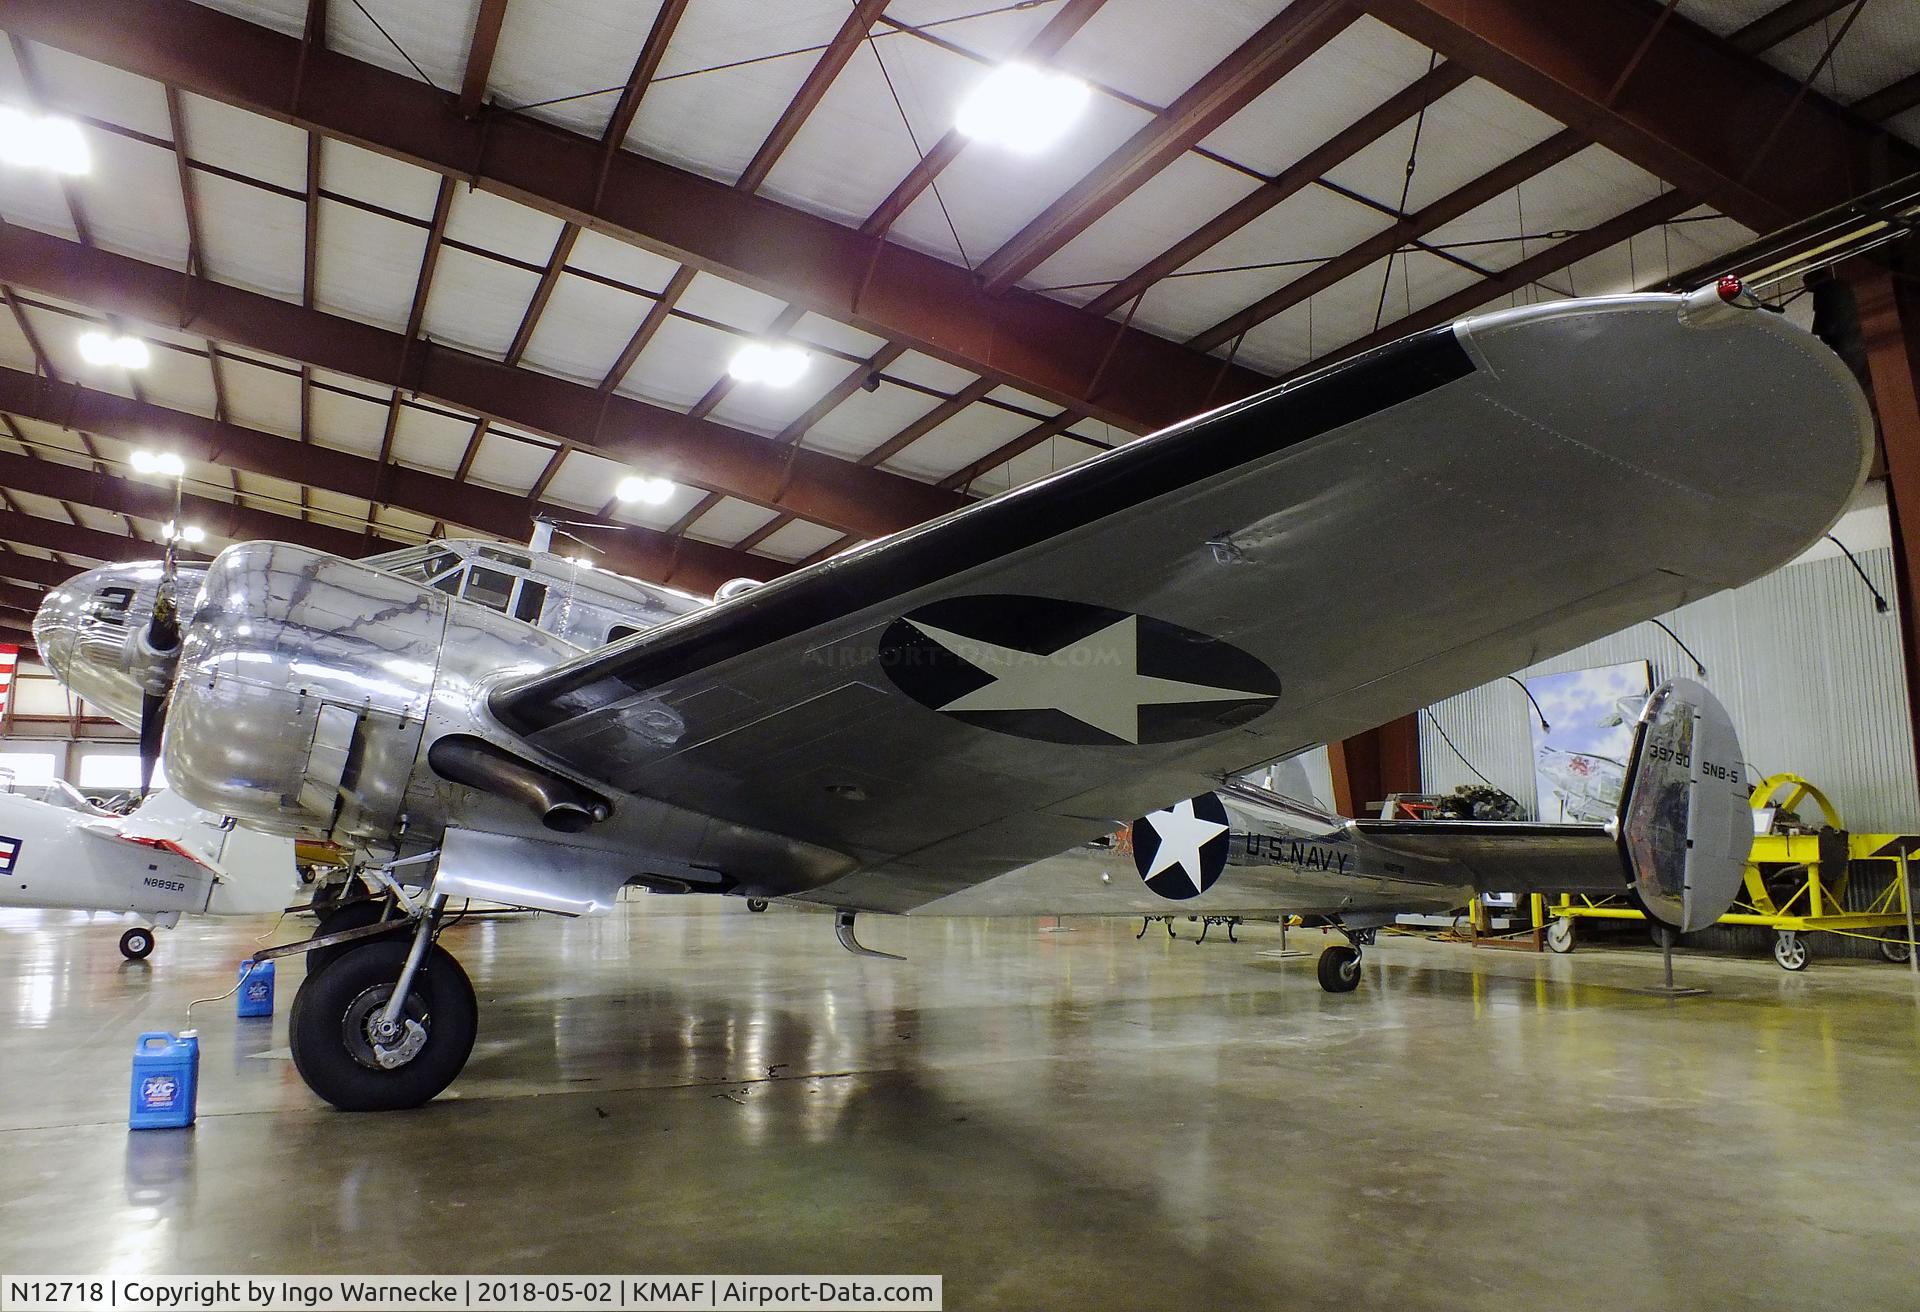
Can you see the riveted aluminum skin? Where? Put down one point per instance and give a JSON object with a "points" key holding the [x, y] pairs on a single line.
{"points": [[303, 686], [88, 630]]}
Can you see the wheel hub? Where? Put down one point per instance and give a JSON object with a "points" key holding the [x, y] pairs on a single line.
{"points": [[378, 1045]]}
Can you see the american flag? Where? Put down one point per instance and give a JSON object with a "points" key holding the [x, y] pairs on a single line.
{"points": [[9, 662]]}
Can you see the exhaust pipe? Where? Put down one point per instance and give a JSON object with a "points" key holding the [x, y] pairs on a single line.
{"points": [[561, 804]]}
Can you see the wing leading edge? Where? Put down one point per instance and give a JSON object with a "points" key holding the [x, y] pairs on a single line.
{"points": [[1005, 682]]}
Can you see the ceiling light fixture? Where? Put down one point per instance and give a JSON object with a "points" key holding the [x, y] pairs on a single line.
{"points": [[766, 362], [101, 349], [43, 141], [647, 491], [164, 463], [1022, 108], [191, 534]]}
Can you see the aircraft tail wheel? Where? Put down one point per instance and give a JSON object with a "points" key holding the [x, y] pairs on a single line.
{"points": [[136, 943], [1339, 969], [333, 1029], [1560, 934], [1896, 949], [756, 904], [1790, 950]]}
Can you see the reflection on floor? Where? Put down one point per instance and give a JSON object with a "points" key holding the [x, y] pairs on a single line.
{"points": [[1060, 1118]]}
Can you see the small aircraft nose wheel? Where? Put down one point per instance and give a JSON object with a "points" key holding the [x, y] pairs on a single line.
{"points": [[1790, 950], [136, 943], [756, 904], [348, 1056], [1560, 934], [1339, 969]]}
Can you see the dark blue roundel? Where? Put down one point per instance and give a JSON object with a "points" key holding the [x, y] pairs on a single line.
{"points": [[1181, 851], [1068, 672]]}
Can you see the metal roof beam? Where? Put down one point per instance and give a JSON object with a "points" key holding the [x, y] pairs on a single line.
{"points": [[1335, 151], [1069, 18], [110, 492], [1701, 113], [33, 569], [486, 39], [1223, 91], [641, 552], [698, 452], [853, 30], [1038, 345]]}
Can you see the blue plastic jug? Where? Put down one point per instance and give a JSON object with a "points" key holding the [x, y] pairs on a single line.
{"points": [[256, 990], [166, 1077]]}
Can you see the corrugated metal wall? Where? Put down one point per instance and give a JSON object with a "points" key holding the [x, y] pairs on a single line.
{"points": [[1810, 672]]}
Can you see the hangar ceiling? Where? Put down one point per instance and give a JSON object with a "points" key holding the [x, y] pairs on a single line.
{"points": [[418, 269]]}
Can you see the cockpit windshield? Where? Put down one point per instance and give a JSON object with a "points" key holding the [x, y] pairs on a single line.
{"points": [[564, 596]]}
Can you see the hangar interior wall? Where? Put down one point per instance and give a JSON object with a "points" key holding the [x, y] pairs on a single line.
{"points": [[1810, 672]]}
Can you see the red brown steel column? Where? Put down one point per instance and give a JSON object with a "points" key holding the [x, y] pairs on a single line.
{"points": [[1889, 309], [1373, 764]]}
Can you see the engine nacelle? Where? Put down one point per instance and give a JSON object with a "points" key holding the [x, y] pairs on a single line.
{"points": [[308, 685]]}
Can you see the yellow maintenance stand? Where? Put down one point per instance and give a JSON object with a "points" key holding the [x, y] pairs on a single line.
{"points": [[1796, 882]]}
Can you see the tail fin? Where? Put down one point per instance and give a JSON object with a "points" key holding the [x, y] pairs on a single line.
{"points": [[1684, 826]]}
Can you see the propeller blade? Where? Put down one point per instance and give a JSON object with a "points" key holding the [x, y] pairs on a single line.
{"points": [[153, 727]]}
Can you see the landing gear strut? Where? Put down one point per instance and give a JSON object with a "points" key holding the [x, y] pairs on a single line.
{"points": [[385, 1025]]}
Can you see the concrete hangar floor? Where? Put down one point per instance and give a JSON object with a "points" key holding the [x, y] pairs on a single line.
{"points": [[1050, 1119]]}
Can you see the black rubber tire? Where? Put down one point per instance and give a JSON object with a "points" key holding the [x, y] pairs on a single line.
{"points": [[1895, 950], [136, 943], [756, 904], [441, 998], [1339, 969], [349, 917]]}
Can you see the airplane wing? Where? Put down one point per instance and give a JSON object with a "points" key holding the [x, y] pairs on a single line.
{"points": [[1014, 678]]}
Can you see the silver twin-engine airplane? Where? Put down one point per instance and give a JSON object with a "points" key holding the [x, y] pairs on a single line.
{"points": [[1036, 704]]}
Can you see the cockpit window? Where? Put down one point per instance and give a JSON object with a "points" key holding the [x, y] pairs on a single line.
{"points": [[448, 583], [488, 587], [532, 596], [513, 558], [416, 563]]}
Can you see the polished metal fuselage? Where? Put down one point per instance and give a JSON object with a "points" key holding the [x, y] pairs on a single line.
{"points": [[310, 689], [1281, 857]]}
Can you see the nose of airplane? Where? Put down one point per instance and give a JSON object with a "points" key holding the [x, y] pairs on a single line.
{"points": [[87, 631]]}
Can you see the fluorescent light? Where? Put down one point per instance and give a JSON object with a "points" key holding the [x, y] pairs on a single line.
{"points": [[37, 141], [1022, 108], [764, 362], [97, 348], [648, 491], [165, 463], [190, 534]]}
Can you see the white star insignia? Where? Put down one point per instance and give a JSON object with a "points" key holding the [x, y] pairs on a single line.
{"points": [[1095, 679], [1182, 835]]}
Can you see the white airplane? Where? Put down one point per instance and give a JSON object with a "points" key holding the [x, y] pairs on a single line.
{"points": [[167, 859]]}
